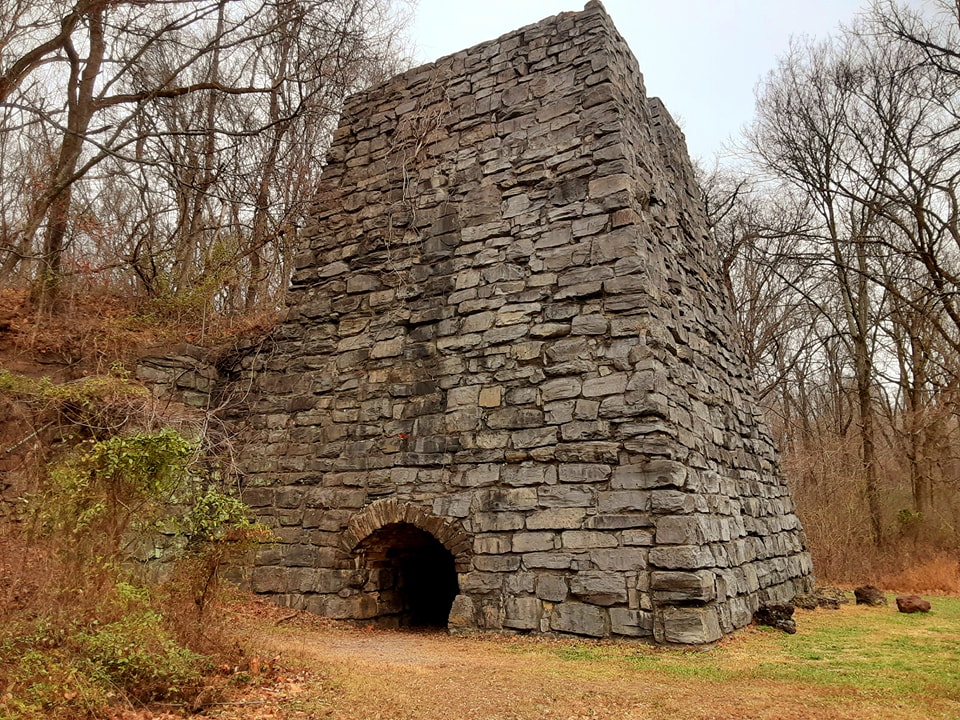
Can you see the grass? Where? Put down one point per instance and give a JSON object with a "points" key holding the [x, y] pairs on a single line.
{"points": [[856, 663], [876, 650], [909, 661]]}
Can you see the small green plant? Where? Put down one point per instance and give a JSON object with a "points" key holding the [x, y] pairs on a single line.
{"points": [[137, 652], [105, 494], [72, 664], [98, 405], [103, 634], [219, 533]]}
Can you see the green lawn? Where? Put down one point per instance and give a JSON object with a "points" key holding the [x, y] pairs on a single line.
{"points": [[857, 653]]}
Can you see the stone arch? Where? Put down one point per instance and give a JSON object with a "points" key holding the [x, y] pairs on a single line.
{"points": [[410, 560], [389, 511]]}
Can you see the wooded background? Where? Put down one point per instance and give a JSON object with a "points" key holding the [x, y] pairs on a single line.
{"points": [[165, 152]]}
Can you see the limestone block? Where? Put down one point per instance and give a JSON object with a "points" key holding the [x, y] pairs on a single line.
{"points": [[585, 430], [590, 451], [599, 587], [299, 555], [560, 388], [465, 395], [586, 410], [522, 613], [492, 544], [506, 499], [681, 557], [619, 501], [658, 473], [549, 560], [624, 559], [457, 505], [288, 497], [524, 542], [352, 607], [481, 583], [632, 623], [686, 530], [551, 587], [328, 581], [671, 501], [270, 580], [335, 498], [462, 614], [506, 334], [360, 283], [520, 583], [583, 472], [556, 519], [479, 476], [528, 350], [521, 396], [268, 556], [559, 412], [491, 397], [565, 496], [689, 626], [535, 474], [515, 418], [495, 521], [497, 563], [641, 536], [258, 497], [581, 539], [579, 619], [684, 587], [534, 437], [590, 225]]}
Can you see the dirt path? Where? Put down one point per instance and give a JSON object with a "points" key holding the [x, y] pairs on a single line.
{"points": [[351, 673]]}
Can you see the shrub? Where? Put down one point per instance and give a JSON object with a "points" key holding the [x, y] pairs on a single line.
{"points": [[94, 631]]}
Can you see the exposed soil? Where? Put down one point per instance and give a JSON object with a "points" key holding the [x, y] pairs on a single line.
{"points": [[324, 669]]}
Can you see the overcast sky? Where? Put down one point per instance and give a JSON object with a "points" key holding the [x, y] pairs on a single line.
{"points": [[703, 58]]}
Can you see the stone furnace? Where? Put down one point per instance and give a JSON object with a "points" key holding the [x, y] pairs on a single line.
{"points": [[506, 395]]}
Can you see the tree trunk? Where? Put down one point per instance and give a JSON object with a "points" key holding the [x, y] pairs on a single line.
{"points": [[80, 109]]}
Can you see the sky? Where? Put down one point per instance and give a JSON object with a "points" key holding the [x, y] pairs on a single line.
{"points": [[703, 58]]}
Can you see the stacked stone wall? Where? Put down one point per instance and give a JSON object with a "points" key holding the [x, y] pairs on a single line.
{"points": [[507, 328]]}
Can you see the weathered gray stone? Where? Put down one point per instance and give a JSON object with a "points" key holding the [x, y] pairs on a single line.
{"points": [[579, 619], [599, 588], [533, 541], [522, 613], [633, 623], [551, 587], [505, 344], [684, 587], [556, 519], [583, 539], [620, 559], [565, 496], [690, 626], [462, 614]]}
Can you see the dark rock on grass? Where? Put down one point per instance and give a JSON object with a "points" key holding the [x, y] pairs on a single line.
{"points": [[777, 615], [870, 595], [912, 604], [822, 597]]}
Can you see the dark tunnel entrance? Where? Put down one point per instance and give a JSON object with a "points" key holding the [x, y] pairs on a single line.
{"points": [[413, 574]]}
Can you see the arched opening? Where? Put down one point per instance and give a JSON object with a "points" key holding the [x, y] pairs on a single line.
{"points": [[413, 575]]}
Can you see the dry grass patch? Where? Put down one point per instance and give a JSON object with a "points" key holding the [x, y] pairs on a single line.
{"points": [[938, 575], [851, 664]]}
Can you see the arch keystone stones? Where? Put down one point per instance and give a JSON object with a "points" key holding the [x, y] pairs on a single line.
{"points": [[389, 511], [508, 341]]}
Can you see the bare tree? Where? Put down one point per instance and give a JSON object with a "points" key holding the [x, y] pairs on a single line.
{"points": [[182, 91]]}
